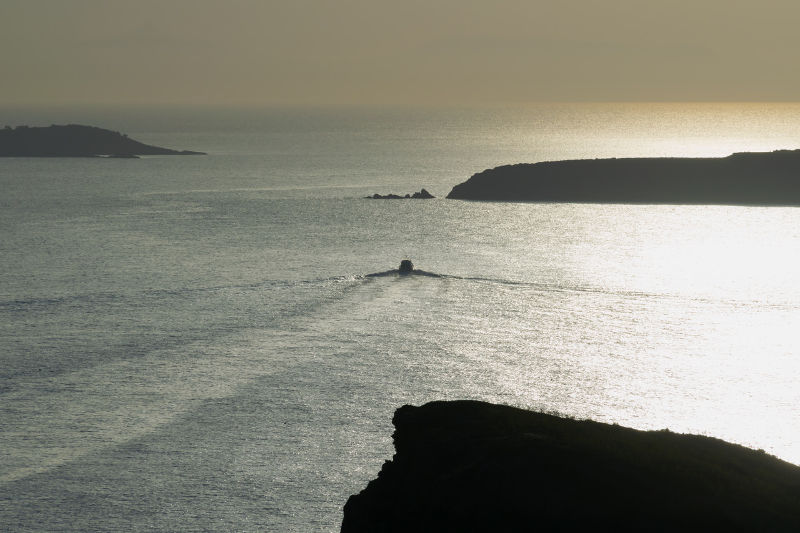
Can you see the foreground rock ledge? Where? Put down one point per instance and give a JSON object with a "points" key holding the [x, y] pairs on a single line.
{"points": [[757, 178], [473, 466]]}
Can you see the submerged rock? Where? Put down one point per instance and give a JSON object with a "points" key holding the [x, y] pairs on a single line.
{"points": [[474, 466]]}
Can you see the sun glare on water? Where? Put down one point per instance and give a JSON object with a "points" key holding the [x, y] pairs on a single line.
{"points": [[658, 316], [733, 274]]}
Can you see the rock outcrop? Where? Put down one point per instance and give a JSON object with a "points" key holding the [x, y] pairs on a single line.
{"points": [[759, 178], [472, 466], [421, 195], [75, 140]]}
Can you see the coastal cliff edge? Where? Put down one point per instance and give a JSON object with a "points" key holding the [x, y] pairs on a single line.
{"points": [[474, 466]]}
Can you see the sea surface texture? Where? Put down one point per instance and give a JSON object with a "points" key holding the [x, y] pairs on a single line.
{"points": [[201, 344]]}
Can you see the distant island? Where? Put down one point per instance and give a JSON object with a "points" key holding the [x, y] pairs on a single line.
{"points": [[474, 466], [74, 140], [750, 178]]}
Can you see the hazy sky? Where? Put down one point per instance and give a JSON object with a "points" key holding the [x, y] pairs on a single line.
{"points": [[397, 52]]}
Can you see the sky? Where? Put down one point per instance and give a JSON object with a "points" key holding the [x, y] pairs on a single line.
{"points": [[376, 52]]}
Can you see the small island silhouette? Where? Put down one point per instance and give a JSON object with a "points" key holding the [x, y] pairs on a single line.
{"points": [[74, 140], [421, 195], [749, 178]]}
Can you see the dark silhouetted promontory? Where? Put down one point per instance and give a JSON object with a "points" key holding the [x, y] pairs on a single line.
{"points": [[757, 178], [473, 466], [74, 140]]}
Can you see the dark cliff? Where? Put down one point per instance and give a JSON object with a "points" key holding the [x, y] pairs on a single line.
{"points": [[473, 466], [768, 178], [74, 140]]}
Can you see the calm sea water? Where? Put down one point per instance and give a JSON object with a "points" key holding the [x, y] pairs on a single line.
{"points": [[195, 343]]}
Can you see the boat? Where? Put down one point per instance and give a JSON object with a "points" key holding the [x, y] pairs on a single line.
{"points": [[406, 266]]}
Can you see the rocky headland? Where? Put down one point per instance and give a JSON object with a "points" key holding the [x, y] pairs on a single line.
{"points": [[74, 140], [750, 178], [473, 466]]}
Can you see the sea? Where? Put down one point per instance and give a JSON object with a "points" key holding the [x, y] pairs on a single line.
{"points": [[218, 342]]}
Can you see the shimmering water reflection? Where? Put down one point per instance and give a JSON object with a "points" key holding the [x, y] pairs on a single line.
{"points": [[198, 345]]}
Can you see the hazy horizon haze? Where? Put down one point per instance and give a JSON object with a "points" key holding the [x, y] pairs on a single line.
{"points": [[356, 52]]}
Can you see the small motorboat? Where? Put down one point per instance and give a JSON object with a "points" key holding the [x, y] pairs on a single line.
{"points": [[406, 266]]}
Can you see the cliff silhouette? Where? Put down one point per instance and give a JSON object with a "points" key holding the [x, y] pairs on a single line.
{"points": [[750, 178], [473, 466], [74, 140]]}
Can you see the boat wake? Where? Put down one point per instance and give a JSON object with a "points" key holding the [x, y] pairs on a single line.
{"points": [[398, 272]]}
